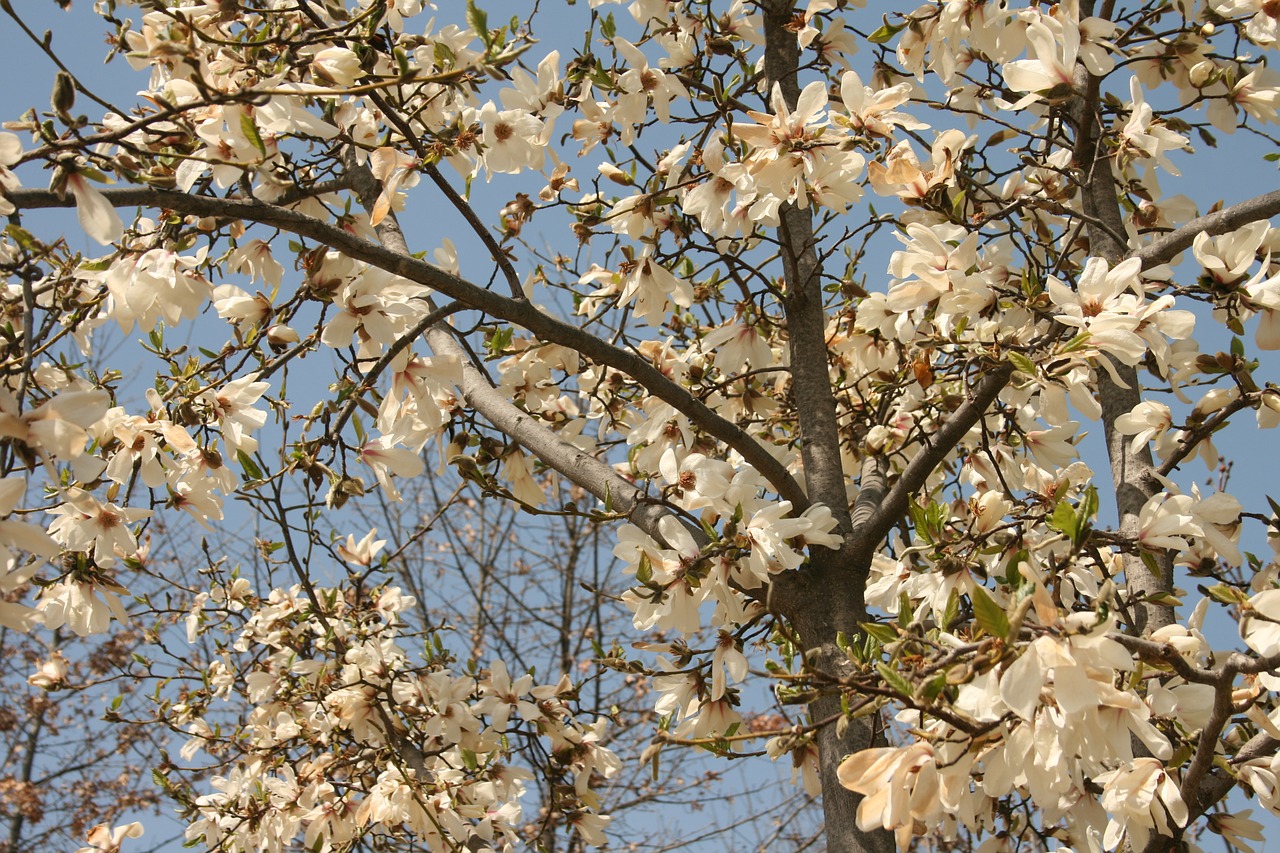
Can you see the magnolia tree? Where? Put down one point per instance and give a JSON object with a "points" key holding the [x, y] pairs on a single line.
{"points": [[859, 487]]}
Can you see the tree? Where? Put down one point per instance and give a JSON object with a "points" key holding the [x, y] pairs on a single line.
{"points": [[870, 488]]}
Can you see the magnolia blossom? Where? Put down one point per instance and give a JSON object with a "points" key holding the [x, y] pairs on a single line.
{"points": [[642, 84], [1148, 421], [84, 607], [899, 786], [104, 838], [387, 461], [1141, 798], [654, 288], [84, 523], [1144, 137], [10, 154], [874, 111], [1260, 628], [361, 553], [232, 406], [337, 65], [1057, 45]]}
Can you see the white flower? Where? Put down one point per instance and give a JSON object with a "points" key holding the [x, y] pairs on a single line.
{"points": [[86, 524], [514, 140], [1140, 797], [337, 65], [1146, 422], [361, 553], [51, 673], [1105, 305], [653, 288], [900, 786], [1234, 828], [76, 604], [387, 461], [1260, 624], [105, 839], [873, 111], [232, 406], [1165, 521]]}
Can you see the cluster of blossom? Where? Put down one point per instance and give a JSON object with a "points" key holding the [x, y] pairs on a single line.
{"points": [[966, 288], [346, 737]]}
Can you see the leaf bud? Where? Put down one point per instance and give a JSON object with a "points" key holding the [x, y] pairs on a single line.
{"points": [[615, 174], [1271, 399], [1203, 73], [280, 336], [63, 97]]}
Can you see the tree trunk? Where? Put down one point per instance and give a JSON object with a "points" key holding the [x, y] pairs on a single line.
{"points": [[831, 603]]}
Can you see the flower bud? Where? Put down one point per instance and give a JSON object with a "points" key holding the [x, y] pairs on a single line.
{"points": [[615, 174], [1203, 73], [280, 336]]}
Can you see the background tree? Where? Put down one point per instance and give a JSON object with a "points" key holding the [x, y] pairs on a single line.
{"points": [[870, 488]]}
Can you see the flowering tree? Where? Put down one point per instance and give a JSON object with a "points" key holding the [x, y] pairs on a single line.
{"points": [[867, 483]]}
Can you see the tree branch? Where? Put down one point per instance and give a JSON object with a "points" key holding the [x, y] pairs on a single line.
{"points": [[597, 477], [870, 534], [519, 312], [1163, 249]]}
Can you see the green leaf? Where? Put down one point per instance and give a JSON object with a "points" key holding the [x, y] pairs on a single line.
{"points": [[608, 27], [250, 467], [894, 680], [991, 618], [1076, 343], [479, 23], [644, 570], [796, 695], [951, 614], [1089, 504], [27, 242], [920, 521], [882, 632], [1023, 364], [1275, 510], [884, 33], [250, 130], [934, 687], [1066, 521], [1225, 594]]}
